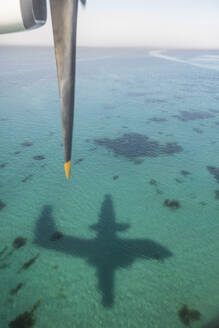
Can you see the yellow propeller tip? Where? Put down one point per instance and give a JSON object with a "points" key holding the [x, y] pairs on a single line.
{"points": [[67, 166]]}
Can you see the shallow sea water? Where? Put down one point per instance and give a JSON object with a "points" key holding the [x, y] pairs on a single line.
{"points": [[125, 259]]}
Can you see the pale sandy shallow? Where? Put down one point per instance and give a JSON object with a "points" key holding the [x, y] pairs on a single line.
{"points": [[115, 95]]}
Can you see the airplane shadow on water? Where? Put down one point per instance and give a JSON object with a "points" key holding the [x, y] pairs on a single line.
{"points": [[106, 252]]}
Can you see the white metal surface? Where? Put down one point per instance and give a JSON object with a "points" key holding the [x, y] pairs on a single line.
{"points": [[10, 16]]}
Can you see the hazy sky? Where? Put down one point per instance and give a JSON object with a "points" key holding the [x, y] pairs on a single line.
{"points": [[151, 23]]}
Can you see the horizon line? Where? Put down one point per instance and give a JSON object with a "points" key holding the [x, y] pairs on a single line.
{"points": [[161, 48]]}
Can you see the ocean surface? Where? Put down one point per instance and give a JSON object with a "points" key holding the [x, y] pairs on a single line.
{"points": [[132, 239]]}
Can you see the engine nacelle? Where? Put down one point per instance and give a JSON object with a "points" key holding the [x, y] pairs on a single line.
{"points": [[20, 15]]}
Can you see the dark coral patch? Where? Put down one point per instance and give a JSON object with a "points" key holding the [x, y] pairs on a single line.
{"points": [[132, 145], [153, 182], [198, 130], [93, 149], [2, 204], [173, 204], [17, 152], [138, 161], [2, 165], [115, 177], [15, 290], [19, 242], [171, 148], [187, 316], [27, 144], [136, 94], [157, 119], [216, 194], [185, 173], [28, 177], [56, 236], [26, 319], [3, 250], [39, 157], [4, 266], [214, 110], [27, 264], [78, 161], [179, 180], [155, 101], [214, 171], [191, 116]]}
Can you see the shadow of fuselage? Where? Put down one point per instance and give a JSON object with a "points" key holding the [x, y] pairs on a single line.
{"points": [[106, 252]]}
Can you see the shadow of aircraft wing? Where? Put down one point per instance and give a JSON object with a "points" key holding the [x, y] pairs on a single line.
{"points": [[144, 249]]}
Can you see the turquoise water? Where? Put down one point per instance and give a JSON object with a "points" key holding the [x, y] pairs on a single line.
{"points": [[141, 261]]}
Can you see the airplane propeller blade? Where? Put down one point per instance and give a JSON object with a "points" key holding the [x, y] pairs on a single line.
{"points": [[64, 22]]}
